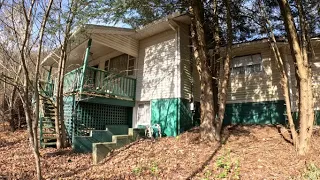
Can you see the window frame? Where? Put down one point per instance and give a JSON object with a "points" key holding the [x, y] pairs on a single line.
{"points": [[131, 58], [246, 67], [130, 69]]}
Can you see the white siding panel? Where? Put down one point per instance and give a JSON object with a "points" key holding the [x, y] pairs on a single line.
{"points": [[256, 87], [157, 67]]}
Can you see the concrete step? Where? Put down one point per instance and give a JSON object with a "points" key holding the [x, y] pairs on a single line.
{"points": [[101, 150]]}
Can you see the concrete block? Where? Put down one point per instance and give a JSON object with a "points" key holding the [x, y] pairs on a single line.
{"points": [[101, 150]]}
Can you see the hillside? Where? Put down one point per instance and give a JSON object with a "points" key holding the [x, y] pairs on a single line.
{"points": [[252, 152]]}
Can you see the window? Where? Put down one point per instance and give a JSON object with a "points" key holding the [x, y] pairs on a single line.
{"points": [[131, 62], [119, 64], [123, 64], [246, 64]]}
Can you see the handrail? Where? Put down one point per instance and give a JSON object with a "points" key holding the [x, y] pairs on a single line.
{"points": [[72, 80], [70, 72], [99, 81], [104, 71]]}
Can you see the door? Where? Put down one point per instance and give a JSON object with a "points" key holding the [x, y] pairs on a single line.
{"points": [[143, 114]]}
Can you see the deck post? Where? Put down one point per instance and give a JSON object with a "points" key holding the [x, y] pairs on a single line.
{"points": [[49, 74], [85, 64], [48, 85]]}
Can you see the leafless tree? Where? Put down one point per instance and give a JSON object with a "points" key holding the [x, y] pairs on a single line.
{"points": [[25, 22]]}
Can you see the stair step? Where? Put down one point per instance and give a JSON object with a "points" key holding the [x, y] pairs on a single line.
{"points": [[49, 137], [48, 126], [48, 118], [48, 104], [48, 101], [48, 122], [47, 133], [49, 108], [46, 129], [52, 114], [49, 144]]}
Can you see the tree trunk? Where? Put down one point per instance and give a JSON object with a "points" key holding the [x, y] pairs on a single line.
{"points": [[57, 108], [33, 138], [215, 60], [304, 79], [285, 89], [62, 61], [206, 83], [226, 73], [284, 76], [63, 130]]}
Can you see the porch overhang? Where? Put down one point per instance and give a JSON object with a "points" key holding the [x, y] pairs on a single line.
{"points": [[124, 40], [118, 39]]}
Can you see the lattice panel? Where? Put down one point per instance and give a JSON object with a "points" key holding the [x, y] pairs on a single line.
{"points": [[68, 114], [97, 116]]}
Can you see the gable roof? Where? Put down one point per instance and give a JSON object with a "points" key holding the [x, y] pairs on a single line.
{"points": [[109, 33]]}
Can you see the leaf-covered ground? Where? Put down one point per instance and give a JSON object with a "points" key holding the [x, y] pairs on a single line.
{"points": [[252, 152]]}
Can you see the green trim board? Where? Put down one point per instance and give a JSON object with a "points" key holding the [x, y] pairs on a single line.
{"points": [[104, 100]]}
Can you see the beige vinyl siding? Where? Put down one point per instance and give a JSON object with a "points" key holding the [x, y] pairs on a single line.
{"points": [[188, 75], [157, 67], [315, 79], [256, 87], [292, 79], [123, 43]]}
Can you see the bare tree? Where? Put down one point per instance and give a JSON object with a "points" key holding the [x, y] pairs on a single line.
{"points": [[299, 49], [25, 13], [206, 83], [67, 16], [223, 88], [59, 113]]}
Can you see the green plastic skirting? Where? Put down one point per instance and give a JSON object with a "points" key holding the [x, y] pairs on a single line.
{"points": [[268, 112], [173, 115]]}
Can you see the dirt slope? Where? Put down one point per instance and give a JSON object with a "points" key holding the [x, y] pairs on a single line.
{"points": [[252, 152]]}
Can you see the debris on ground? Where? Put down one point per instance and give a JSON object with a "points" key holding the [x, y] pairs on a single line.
{"points": [[247, 152]]}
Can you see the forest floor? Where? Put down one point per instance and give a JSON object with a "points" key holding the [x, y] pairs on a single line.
{"points": [[248, 152]]}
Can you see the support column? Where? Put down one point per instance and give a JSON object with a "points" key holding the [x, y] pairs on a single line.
{"points": [[85, 64], [49, 85]]}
